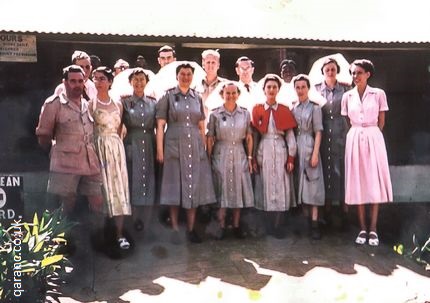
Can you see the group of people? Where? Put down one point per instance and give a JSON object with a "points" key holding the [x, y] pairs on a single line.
{"points": [[266, 154]]}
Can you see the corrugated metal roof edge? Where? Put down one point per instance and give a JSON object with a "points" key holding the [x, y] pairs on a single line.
{"points": [[56, 35]]}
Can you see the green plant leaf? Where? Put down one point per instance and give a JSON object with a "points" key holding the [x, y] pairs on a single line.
{"points": [[59, 240], [38, 246], [27, 234], [51, 260], [35, 225], [31, 242]]}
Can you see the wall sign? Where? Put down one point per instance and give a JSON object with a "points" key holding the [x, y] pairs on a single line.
{"points": [[17, 48], [11, 199]]}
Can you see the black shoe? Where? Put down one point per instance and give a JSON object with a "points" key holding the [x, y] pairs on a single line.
{"points": [[193, 237], [238, 233], [315, 231], [221, 234], [138, 225]]}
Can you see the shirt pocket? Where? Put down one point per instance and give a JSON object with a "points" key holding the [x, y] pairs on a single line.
{"points": [[68, 155]]}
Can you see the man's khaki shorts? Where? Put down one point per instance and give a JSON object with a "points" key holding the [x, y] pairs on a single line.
{"points": [[64, 184]]}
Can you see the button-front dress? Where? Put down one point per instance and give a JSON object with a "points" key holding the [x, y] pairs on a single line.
{"points": [[333, 141], [187, 177], [232, 178], [367, 174], [139, 119], [274, 188], [310, 188]]}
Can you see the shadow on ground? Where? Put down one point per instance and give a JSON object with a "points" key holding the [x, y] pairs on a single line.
{"points": [[296, 268]]}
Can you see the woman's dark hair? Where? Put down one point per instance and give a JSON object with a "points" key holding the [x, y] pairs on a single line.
{"points": [[328, 61], [138, 71], [272, 77], [302, 77], [184, 65], [365, 64], [228, 83], [105, 71]]}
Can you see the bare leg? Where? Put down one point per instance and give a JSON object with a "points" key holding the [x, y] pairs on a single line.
{"points": [[314, 210], [221, 217], [361, 212], [68, 204], [174, 212], [191, 218], [119, 224], [96, 203], [236, 217], [374, 210]]}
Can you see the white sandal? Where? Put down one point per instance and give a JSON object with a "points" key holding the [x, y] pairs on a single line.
{"points": [[123, 243], [375, 240], [361, 238]]}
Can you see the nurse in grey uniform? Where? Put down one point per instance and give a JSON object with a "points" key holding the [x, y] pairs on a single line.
{"points": [[333, 139], [139, 142], [274, 186], [187, 178], [229, 128], [310, 189]]}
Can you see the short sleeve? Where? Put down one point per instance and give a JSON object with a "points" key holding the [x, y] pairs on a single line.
{"points": [[162, 107], [317, 118], [344, 105], [382, 101], [47, 119], [211, 125]]}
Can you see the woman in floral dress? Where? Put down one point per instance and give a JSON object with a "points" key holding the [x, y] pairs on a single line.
{"points": [[107, 127]]}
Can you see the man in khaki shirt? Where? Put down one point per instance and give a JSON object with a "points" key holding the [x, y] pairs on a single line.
{"points": [[66, 128]]}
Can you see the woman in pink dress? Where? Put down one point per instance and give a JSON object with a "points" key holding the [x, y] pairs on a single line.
{"points": [[367, 175]]}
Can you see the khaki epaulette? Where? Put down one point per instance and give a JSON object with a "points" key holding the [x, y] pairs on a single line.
{"points": [[51, 99]]}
